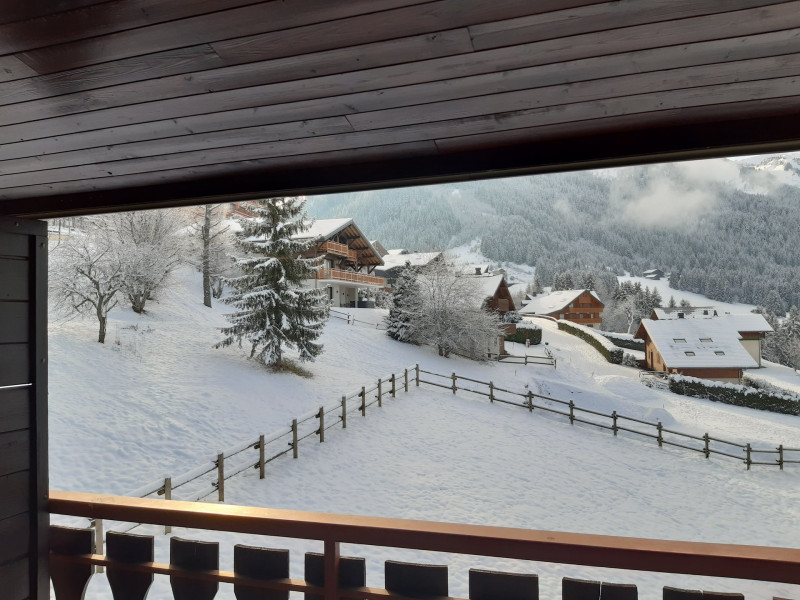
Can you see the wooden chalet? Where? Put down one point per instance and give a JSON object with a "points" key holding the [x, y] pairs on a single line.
{"points": [[111, 105], [348, 260], [751, 328], [708, 349], [578, 306], [395, 261]]}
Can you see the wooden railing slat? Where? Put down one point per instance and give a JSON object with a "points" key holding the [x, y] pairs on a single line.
{"points": [[129, 548], [494, 585], [69, 580], [416, 580], [193, 555], [262, 564]]}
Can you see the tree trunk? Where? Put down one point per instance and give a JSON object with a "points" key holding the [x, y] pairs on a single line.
{"points": [[206, 256], [101, 336]]}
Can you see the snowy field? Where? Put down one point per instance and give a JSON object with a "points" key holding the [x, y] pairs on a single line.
{"points": [[662, 285], [162, 401]]}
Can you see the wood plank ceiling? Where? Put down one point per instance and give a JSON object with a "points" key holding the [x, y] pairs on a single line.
{"points": [[127, 103]]}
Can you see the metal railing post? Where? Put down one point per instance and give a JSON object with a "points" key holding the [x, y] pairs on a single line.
{"points": [[221, 476], [261, 453], [363, 401], [167, 496], [491, 391], [706, 449], [344, 412], [294, 438], [380, 402], [321, 424]]}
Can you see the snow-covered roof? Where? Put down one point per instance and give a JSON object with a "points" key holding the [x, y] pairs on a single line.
{"points": [[323, 228], [553, 302], [417, 259], [698, 344], [397, 251], [485, 285], [743, 322]]}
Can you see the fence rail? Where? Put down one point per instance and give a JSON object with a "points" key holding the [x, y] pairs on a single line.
{"points": [[570, 410], [351, 320]]}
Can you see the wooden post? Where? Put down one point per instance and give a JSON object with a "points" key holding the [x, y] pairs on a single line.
{"points": [[394, 387], [405, 379], [380, 403], [454, 383], [660, 434], [780, 456], [526, 360], [294, 438], [416, 367], [331, 569], [344, 412], [614, 422], [571, 412], [221, 476], [363, 401], [321, 424], [261, 452], [98, 542], [748, 461], [706, 449], [167, 496], [491, 392], [530, 401]]}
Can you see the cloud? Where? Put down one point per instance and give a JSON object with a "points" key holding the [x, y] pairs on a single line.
{"points": [[664, 204]]}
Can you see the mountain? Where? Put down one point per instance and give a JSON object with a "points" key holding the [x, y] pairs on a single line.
{"points": [[725, 229]]}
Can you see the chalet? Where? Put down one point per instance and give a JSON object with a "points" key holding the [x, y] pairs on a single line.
{"points": [[654, 274], [112, 106], [379, 248], [708, 349], [578, 306], [348, 260], [394, 262], [752, 328], [492, 292]]}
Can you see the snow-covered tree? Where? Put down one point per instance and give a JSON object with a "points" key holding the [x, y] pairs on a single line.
{"points": [[273, 311], [405, 306], [149, 246], [214, 260], [86, 276], [672, 303]]}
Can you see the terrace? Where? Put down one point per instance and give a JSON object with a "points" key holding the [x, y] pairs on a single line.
{"points": [[120, 105]]}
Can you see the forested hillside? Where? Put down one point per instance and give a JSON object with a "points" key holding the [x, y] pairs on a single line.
{"points": [[724, 229]]}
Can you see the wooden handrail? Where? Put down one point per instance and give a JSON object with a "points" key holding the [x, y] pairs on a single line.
{"points": [[339, 275], [666, 556]]}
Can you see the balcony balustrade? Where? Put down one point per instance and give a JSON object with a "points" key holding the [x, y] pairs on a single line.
{"points": [[338, 275], [263, 573], [338, 249]]}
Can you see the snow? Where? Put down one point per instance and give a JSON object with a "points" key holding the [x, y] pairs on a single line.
{"points": [[777, 375], [416, 259], [324, 228], [712, 342], [545, 304], [741, 323], [162, 402], [662, 285]]}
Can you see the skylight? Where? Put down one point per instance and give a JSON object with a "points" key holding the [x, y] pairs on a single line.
{"points": [[689, 353], [706, 340], [679, 340], [719, 353]]}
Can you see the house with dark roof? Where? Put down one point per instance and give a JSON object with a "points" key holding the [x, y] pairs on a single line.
{"points": [[709, 349], [578, 306]]}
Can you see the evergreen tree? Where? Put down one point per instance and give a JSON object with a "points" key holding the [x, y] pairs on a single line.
{"points": [[273, 311], [672, 302], [405, 305]]}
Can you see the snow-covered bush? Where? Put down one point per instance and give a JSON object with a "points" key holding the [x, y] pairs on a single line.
{"points": [[623, 340], [612, 353], [511, 316], [737, 395]]}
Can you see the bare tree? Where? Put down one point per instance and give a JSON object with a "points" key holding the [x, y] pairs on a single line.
{"points": [[85, 275], [214, 260]]}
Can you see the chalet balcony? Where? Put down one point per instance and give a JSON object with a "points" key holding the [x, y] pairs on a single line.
{"points": [[336, 275], [194, 571], [338, 249]]}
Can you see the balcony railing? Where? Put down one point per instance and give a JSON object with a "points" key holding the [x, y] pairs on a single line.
{"points": [[340, 250], [194, 565], [336, 274]]}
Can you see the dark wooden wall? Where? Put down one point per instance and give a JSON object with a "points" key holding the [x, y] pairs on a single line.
{"points": [[23, 410]]}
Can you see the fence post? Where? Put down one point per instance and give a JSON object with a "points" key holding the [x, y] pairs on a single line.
{"points": [[221, 476], [780, 456], [491, 392], [530, 401], [416, 367], [261, 451], [394, 387], [405, 380], [706, 449], [526, 360], [454, 383], [380, 403], [571, 412], [748, 461], [659, 426], [98, 541], [167, 496], [614, 424], [344, 412], [363, 401], [294, 438], [321, 424]]}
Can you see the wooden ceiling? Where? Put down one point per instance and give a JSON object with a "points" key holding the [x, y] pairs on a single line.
{"points": [[134, 103]]}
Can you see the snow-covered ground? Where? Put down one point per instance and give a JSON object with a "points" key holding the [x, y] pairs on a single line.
{"points": [[662, 285], [163, 400]]}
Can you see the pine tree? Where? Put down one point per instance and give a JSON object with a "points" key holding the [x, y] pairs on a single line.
{"points": [[273, 311], [672, 302], [405, 306]]}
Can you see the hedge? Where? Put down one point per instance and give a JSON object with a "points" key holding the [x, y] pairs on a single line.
{"points": [[526, 332], [611, 352], [631, 343], [737, 395]]}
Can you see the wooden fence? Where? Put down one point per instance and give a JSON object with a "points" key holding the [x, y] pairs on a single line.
{"points": [[240, 458], [529, 359], [351, 320], [705, 444]]}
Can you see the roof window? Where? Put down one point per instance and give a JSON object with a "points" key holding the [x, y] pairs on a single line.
{"points": [[679, 340], [706, 340], [719, 353], [689, 353]]}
